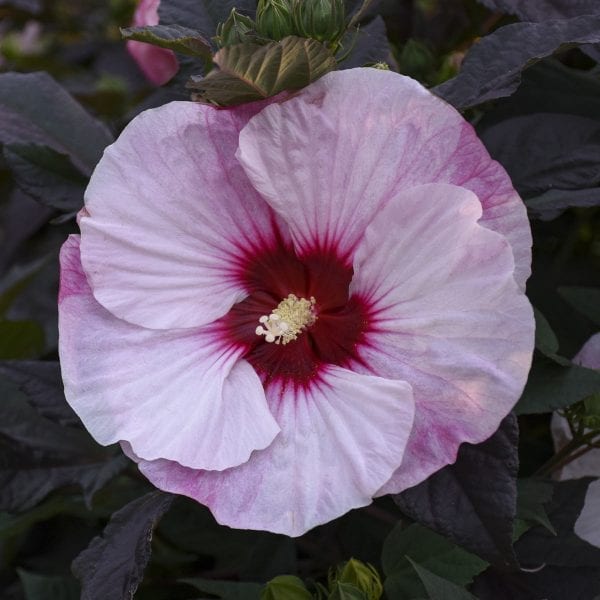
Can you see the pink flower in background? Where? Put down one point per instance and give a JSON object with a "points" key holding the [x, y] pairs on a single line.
{"points": [[159, 65], [285, 309], [587, 525]]}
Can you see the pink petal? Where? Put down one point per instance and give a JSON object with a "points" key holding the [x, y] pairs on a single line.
{"points": [[330, 158], [448, 318], [339, 442], [159, 65], [170, 215], [171, 394]]}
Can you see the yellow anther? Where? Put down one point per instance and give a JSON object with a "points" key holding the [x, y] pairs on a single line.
{"points": [[292, 316]]}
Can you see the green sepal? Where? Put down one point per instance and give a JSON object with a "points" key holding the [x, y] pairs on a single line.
{"points": [[249, 71]]}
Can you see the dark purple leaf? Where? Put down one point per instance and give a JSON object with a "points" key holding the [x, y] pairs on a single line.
{"points": [[202, 15], [35, 109], [473, 502], [492, 67], [369, 46], [544, 10], [112, 566]]}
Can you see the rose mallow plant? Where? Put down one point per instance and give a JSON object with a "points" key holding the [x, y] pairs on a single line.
{"points": [[285, 309]]}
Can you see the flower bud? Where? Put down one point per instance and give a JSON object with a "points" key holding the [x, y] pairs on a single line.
{"points": [[360, 575], [274, 18], [234, 30], [323, 20]]}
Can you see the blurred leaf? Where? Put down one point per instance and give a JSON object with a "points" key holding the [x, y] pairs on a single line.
{"points": [[20, 339], [492, 67], [46, 175], [202, 15], [174, 37], [285, 587], [532, 496], [367, 45], [430, 550], [227, 590], [585, 300], [35, 109], [251, 72], [112, 566], [345, 591], [473, 501], [253, 555], [16, 524], [552, 385], [45, 587], [440, 588], [32, 6], [545, 338]]}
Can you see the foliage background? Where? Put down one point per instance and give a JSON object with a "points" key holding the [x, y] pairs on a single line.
{"points": [[59, 490]]}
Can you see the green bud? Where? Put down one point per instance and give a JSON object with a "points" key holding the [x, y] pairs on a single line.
{"points": [[274, 18], [360, 575], [234, 30], [323, 20]]}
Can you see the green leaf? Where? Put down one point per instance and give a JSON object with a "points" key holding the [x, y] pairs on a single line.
{"points": [[227, 590], [583, 299], [439, 588], [46, 175], [250, 72], [434, 552], [552, 386], [545, 338], [532, 495], [20, 339], [285, 587], [346, 591], [174, 37], [45, 587]]}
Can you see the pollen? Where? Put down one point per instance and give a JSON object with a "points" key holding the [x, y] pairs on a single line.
{"points": [[291, 317]]}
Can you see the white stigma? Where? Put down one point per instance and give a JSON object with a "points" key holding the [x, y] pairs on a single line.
{"points": [[292, 316]]}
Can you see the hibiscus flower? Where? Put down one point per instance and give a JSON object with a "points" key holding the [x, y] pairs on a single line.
{"points": [[285, 309], [159, 65]]}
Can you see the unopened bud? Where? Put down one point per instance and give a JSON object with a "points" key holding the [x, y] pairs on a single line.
{"points": [[274, 18], [360, 575], [234, 30], [323, 20]]}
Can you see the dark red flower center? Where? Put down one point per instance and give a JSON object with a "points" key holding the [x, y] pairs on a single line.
{"points": [[340, 324]]}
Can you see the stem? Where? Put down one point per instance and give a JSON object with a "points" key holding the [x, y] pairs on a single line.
{"points": [[360, 13], [566, 454]]}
